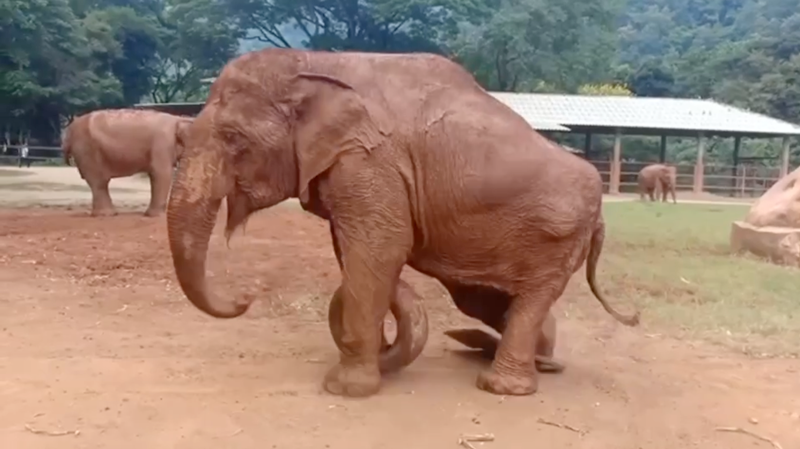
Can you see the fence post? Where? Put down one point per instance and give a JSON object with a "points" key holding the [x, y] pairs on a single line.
{"points": [[616, 165], [699, 168], [785, 156]]}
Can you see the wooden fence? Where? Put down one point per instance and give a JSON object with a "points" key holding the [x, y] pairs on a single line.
{"points": [[745, 180], [9, 155]]}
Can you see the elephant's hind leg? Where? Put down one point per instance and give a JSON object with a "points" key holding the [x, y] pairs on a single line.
{"points": [[513, 371], [160, 182], [101, 198], [491, 306]]}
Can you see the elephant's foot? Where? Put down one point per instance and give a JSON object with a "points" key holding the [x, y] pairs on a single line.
{"points": [[104, 212], [154, 211], [507, 384], [487, 343], [353, 380]]}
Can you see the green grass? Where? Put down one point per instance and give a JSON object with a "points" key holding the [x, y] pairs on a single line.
{"points": [[674, 262]]}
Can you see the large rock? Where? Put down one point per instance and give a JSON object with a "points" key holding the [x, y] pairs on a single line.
{"points": [[771, 228], [779, 245]]}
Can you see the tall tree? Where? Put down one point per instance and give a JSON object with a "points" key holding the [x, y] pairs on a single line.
{"points": [[539, 45], [367, 25]]}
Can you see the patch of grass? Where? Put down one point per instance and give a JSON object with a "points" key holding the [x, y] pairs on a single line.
{"points": [[674, 262]]}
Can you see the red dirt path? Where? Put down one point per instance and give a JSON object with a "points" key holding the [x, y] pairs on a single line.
{"points": [[97, 337]]}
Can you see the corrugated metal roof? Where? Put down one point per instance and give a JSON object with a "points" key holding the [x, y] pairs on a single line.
{"points": [[552, 112], [644, 113], [194, 109], [540, 126]]}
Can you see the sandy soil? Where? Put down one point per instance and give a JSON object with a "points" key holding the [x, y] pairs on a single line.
{"points": [[98, 339]]}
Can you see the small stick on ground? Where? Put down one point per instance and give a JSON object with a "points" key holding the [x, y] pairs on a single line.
{"points": [[58, 433], [560, 426], [466, 440], [774, 443]]}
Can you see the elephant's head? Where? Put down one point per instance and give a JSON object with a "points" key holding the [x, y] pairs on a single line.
{"points": [[266, 132]]}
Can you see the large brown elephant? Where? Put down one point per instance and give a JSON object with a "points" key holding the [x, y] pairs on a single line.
{"points": [[411, 162], [658, 178], [115, 143]]}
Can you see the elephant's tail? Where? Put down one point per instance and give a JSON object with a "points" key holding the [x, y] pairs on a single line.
{"points": [[595, 247], [66, 145]]}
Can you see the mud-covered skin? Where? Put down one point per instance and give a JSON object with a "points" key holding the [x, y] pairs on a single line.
{"points": [[427, 171], [116, 143], [655, 179]]}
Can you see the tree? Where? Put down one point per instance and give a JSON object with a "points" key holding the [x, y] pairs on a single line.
{"points": [[199, 39], [605, 89], [366, 25], [527, 44], [46, 67]]}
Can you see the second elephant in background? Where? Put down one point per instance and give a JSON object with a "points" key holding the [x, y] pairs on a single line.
{"points": [[658, 178], [117, 143]]}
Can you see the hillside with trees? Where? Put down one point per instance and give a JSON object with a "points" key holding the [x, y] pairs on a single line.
{"points": [[59, 58]]}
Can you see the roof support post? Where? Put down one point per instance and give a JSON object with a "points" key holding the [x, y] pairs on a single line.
{"points": [[587, 146], [662, 155], [699, 168], [785, 156], [616, 164], [737, 146]]}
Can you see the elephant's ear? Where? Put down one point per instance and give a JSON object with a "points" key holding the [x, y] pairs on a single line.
{"points": [[330, 119], [182, 130]]}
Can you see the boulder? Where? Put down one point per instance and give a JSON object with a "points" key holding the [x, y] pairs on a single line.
{"points": [[779, 245], [771, 228]]}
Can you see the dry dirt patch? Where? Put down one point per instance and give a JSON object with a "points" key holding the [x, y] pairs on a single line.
{"points": [[97, 338]]}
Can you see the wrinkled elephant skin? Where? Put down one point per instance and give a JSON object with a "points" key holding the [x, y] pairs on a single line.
{"points": [[412, 163], [116, 143]]}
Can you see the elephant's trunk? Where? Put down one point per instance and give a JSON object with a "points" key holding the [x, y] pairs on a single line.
{"points": [[198, 190]]}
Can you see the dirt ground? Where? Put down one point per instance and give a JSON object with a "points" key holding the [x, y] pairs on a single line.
{"points": [[98, 340]]}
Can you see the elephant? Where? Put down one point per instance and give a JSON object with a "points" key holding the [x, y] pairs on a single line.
{"points": [[411, 162], [116, 143], [658, 178]]}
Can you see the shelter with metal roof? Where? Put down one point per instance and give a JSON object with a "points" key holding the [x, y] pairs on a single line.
{"points": [[646, 116], [617, 115]]}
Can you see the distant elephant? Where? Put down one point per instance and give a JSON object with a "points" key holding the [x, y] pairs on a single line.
{"points": [[411, 162], [116, 143], [658, 178]]}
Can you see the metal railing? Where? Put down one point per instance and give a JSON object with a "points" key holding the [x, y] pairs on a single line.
{"points": [[10, 154], [742, 181]]}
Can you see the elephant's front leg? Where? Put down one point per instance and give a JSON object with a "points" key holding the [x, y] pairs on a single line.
{"points": [[371, 264]]}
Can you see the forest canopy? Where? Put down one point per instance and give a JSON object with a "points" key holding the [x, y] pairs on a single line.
{"points": [[59, 58]]}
